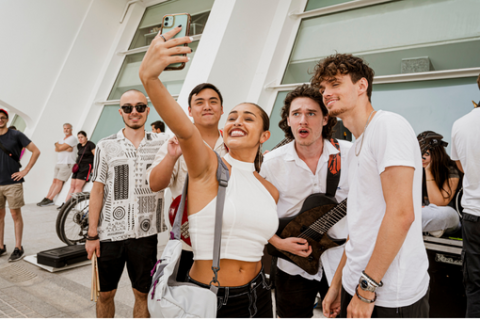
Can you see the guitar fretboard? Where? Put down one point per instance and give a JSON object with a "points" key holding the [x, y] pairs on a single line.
{"points": [[326, 221]]}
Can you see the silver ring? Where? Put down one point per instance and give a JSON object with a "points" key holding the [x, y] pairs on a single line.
{"points": [[163, 37]]}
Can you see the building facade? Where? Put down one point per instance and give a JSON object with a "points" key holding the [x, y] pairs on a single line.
{"points": [[70, 60]]}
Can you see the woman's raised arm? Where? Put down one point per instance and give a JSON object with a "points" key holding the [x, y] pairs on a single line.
{"points": [[161, 54]]}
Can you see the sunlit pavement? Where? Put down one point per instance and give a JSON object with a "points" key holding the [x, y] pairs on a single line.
{"points": [[29, 291]]}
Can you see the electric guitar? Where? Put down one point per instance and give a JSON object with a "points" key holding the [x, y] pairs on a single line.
{"points": [[172, 212], [318, 214]]}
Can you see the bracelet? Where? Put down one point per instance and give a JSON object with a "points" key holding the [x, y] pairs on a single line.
{"points": [[88, 238], [365, 299], [370, 278]]}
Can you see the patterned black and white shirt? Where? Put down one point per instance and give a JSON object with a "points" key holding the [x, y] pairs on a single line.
{"points": [[130, 208]]}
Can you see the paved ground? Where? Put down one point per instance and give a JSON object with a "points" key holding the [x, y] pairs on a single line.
{"points": [[29, 291]]}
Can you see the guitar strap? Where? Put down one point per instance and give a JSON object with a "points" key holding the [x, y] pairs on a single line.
{"points": [[334, 168]]}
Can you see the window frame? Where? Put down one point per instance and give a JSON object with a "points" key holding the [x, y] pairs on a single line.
{"points": [[275, 86]]}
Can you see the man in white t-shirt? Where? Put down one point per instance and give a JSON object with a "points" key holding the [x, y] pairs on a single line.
{"points": [[66, 149], [298, 170], [383, 272], [205, 106], [466, 153]]}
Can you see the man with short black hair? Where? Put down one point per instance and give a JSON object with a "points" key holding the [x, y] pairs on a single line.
{"points": [[466, 153], [205, 106], [125, 215], [11, 181], [66, 157], [383, 272], [158, 126]]}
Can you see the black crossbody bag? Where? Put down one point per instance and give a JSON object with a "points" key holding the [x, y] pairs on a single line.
{"points": [[10, 154]]}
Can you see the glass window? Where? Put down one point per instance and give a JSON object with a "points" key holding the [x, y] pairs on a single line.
{"points": [[428, 105], [153, 16], [383, 36], [111, 122], [317, 4], [19, 123], [277, 134], [128, 76]]}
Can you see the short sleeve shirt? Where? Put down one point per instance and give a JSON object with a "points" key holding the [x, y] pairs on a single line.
{"points": [[465, 133], [130, 208], [68, 157], [388, 141], [85, 153], [14, 141], [295, 182], [179, 173]]}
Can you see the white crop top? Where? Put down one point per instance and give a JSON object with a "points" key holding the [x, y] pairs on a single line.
{"points": [[249, 218]]}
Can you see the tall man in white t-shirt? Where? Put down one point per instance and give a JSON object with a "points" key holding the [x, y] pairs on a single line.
{"points": [[466, 153], [299, 169], [66, 155], [383, 272]]}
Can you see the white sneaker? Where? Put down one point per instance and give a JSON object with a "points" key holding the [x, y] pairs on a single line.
{"points": [[437, 234]]}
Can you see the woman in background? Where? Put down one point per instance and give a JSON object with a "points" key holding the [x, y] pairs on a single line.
{"points": [[441, 182], [85, 154]]}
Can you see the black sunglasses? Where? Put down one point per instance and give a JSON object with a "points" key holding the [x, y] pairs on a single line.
{"points": [[140, 108]]}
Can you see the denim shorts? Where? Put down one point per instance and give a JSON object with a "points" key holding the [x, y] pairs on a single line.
{"points": [[252, 300]]}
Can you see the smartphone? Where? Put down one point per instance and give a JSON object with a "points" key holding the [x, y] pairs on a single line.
{"points": [[171, 21]]}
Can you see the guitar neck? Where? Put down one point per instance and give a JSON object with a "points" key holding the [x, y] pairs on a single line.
{"points": [[329, 219]]}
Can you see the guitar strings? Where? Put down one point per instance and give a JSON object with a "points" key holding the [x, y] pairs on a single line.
{"points": [[321, 226]]}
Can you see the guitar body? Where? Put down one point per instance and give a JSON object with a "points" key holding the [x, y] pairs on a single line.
{"points": [[172, 213], [313, 209]]}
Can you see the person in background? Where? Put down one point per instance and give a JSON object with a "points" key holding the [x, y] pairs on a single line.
{"points": [[158, 126], [65, 148], [11, 181], [85, 154], [466, 154], [441, 182]]}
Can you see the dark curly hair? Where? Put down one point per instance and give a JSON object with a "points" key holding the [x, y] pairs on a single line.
{"points": [[356, 67], [305, 91]]}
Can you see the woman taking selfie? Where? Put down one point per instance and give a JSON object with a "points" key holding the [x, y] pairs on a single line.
{"points": [[84, 162], [250, 217], [441, 182]]}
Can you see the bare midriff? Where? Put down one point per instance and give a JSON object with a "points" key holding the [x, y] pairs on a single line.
{"points": [[233, 273]]}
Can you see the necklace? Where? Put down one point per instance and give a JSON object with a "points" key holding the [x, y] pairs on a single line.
{"points": [[364, 133]]}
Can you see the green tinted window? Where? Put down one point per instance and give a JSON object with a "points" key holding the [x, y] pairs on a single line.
{"points": [[153, 17]]}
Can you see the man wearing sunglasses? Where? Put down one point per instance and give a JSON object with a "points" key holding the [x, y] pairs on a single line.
{"points": [[125, 215]]}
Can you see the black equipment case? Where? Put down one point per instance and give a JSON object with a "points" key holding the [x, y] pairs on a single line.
{"points": [[60, 257], [447, 294]]}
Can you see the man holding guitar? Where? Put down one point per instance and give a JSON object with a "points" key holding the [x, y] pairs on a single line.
{"points": [[383, 272], [298, 170]]}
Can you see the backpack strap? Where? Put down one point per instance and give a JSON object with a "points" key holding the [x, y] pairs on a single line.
{"points": [[223, 176], [334, 169]]}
